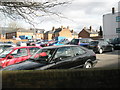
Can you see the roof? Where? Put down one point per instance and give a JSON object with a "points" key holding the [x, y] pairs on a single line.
{"points": [[4, 30], [25, 47], [49, 32], [58, 30]]}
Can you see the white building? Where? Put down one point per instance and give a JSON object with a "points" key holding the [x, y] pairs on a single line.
{"points": [[111, 25]]}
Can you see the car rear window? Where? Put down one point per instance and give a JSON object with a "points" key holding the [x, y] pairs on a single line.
{"points": [[75, 41], [93, 42]]}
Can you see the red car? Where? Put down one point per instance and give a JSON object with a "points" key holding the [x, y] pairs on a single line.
{"points": [[16, 54]]}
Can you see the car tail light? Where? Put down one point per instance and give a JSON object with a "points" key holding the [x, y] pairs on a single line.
{"points": [[79, 43]]}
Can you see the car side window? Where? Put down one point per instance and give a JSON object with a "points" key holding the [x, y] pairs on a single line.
{"points": [[105, 43], [78, 51], [63, 53], [20, 52], [33, 50]]}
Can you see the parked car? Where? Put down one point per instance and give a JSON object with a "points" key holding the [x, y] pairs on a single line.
{"points": [[5, 46], [100, 46], [21, 43], [41, 43], [62, 42], [59, 57], [16, 54], [116, 43], [81, 41]]}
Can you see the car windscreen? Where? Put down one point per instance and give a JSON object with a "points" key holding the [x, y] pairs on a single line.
{"points": [[5, 52]]}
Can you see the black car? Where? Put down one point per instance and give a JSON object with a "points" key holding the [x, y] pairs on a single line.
{"points": [[116, 43], [58, 57], [100, 46], [81, 41]]}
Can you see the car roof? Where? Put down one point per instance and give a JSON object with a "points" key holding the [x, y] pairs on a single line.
{"points": [[50, 47], [19, 47]]}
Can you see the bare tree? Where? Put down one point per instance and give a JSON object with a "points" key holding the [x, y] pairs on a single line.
{"points": [[29, 9]]}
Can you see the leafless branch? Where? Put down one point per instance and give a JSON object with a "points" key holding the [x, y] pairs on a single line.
{"points": [[29, 10]]}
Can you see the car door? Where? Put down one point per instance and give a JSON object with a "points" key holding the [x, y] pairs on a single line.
{"points": [[62, 58], [79, 57]]}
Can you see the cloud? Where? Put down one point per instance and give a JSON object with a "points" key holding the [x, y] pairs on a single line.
{"points": [[79, 13]]}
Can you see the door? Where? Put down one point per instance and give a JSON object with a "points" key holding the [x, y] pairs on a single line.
{"points": [[62, 58], [79, 57]]}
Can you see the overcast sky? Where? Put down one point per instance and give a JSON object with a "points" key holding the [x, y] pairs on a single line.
{"points": [[78, 14]]}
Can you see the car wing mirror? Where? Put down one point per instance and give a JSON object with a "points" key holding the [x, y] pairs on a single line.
{"points": [[10, 57]]}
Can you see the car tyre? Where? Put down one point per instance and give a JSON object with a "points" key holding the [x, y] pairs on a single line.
{"points": [[88, 65], [112, 49]]}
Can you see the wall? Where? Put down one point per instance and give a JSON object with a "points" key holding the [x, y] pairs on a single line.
{"points": [[109, 26], [76, 78], [24, 33], [10, 35], [65, 33]]}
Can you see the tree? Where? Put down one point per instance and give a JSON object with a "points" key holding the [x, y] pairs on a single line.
{"points": [[30, 9], [14, 26], [101, 32]]}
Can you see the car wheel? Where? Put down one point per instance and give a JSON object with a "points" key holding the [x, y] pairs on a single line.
{"points": [[88, 65], [112, 49], [100, 51]]}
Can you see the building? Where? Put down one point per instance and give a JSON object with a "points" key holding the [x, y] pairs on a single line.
{"points": [[111, 25], [88, 33], [9, 33], [48, 35], [62, 32]]}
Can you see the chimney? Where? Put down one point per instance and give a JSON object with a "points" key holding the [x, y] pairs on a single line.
{"points": [[61, 27], [84, 28], [67, 27], [113, 10], [90, 28], [72, 31], [53, 28]]}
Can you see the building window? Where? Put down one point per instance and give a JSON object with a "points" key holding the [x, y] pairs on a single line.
{"points": [[117, 30], [118, 19]]}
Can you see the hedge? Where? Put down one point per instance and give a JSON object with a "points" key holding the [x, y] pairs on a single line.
{"points": [[78, 78]]}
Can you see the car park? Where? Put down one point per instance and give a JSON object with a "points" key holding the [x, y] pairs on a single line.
{"points": [[81, 41], [99, 46], [58, 57], [14, 55]]}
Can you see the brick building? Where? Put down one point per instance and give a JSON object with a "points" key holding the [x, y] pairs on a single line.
{"points": [[88, 33]]}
